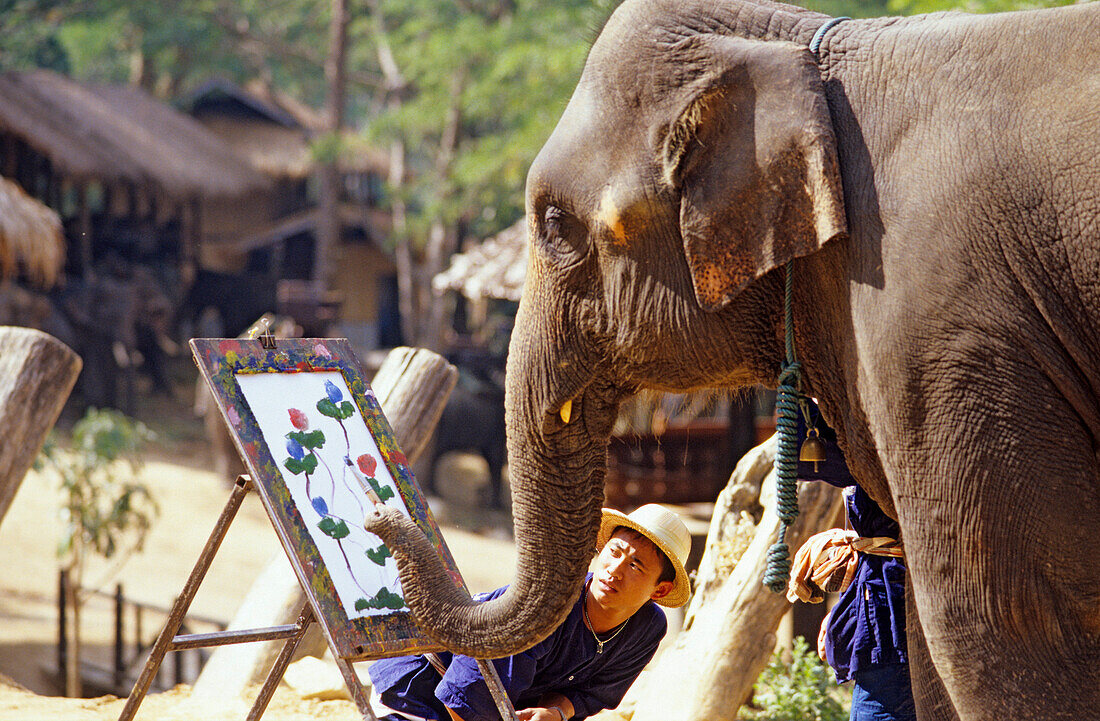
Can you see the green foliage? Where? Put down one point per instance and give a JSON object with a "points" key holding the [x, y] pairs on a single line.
{"points": [[507, 70], [104, 509], [799, 691]]}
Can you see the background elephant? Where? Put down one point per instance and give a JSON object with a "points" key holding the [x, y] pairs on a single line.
{"points": [[473, 420], [933, 181], [118, 322]]}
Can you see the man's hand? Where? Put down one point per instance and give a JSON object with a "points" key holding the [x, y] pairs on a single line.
{"points": [[541, 714]]}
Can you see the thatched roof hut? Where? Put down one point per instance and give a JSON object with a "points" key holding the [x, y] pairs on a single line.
{"points": [[495, 268], [120, 133], [272, 131], [30, 237]]}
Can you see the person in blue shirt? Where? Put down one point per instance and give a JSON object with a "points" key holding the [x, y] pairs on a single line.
{"points": [[588, 662], [865, 631]]}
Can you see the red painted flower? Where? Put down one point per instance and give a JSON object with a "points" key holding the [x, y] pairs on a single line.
{"points": [[367, 464], [298, 419]]}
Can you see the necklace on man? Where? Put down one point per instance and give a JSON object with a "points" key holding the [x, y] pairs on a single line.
{"points": [[588, 622]]}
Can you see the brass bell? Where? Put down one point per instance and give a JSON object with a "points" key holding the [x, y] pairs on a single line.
{"points": [[813, 449]]}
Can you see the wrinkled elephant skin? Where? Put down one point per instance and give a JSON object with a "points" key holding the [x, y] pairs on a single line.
{"points": [[935, 183]]}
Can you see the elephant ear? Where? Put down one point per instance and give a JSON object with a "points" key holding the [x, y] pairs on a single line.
{"points": [[751, 150]]}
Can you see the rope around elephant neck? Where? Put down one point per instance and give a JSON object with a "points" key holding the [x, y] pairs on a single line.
{"points": [[778, 570]]}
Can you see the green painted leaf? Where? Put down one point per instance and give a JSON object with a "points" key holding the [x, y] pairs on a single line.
{"points": [[346, 409], [313, 439], [295, 466], [333, 528], [380, 554], [385, 598], [385, 493], [309, 463], [328, 408], [362, 604]]}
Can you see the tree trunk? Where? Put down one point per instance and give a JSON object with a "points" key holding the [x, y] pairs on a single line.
{"points": [[37, 372], [412, 386], [74, 600], [328, 225], [396, 87], [443, 237], [730, 628]]}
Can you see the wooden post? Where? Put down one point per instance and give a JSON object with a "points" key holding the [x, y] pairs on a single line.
{"points": [[412, 386], [730, 628], [37, 372]]}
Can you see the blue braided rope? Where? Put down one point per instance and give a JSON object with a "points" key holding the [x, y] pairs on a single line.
{"points": [[778, 569]]}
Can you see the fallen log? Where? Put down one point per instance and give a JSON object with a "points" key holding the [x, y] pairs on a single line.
{"points": [[730, 628], [412, 386], [37, 373]]}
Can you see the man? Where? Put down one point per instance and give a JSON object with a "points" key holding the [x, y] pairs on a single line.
{"points": [[864, 634], [588, 662]]}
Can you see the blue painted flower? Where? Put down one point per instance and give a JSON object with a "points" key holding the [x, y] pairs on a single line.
{"points": [[334, 393], [320, 506], [294, 448]]}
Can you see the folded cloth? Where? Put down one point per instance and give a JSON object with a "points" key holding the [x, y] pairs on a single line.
{"points": [[827, 562]]}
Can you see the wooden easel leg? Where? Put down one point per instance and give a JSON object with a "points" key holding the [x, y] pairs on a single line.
{"points": [[496, 689], [183, 602], [275, 675], [355, 688]]}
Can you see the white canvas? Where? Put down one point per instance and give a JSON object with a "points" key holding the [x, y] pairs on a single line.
{"points": [[285, 406]]}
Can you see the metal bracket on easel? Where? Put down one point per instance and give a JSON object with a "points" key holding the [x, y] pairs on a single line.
{"points": [[262, 329]]}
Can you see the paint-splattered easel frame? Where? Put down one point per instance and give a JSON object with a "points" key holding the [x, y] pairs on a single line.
{"points": [[219, 361]]}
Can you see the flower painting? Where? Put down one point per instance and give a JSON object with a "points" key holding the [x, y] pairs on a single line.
{"points": [[333, 469]]}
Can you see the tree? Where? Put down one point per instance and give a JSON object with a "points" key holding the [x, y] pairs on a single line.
{"points": [[484, 82], [104, 511]]}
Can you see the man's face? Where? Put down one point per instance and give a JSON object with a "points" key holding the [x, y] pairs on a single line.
{"points": [[626, 572]]}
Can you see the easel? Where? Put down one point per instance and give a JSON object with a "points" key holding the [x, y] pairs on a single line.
{"points": [[291, 633], [315, 610]]}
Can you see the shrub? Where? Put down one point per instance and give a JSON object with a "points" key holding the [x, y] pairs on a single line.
{"points": [[104, 511], [803, 690]]}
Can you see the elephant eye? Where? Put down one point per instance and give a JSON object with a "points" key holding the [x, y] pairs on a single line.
{"points": [[562, 235]]}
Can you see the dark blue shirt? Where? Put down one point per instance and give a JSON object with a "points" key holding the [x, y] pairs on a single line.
{"points": [[565, 662], [866, 628]]}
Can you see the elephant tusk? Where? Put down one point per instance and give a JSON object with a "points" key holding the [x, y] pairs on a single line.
{"points": [[566, 412]]}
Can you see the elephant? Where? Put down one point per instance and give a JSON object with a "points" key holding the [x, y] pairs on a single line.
{"points": [[473, 420], [929, 186]]}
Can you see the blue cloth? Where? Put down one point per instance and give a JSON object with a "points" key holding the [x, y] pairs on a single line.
{"points": [[565, 662], [866, 628], [883, 693]]}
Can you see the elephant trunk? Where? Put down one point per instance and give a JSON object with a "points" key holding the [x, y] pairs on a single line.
{"points": [[556, 472]]}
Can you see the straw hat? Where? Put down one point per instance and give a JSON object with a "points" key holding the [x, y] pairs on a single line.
{"points": [[667, 531]]}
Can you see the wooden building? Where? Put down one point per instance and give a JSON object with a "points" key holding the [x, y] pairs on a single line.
{"points": [[271, 234], [128, 174]]}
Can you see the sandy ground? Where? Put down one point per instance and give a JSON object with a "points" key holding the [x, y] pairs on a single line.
{"points": [[191, 498]]}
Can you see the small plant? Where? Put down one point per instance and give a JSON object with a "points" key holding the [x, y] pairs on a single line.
{"points": [[802, 690], [104, 511]]}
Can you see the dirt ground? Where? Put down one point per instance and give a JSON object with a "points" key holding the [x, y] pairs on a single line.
{"points": [[191, 497]]}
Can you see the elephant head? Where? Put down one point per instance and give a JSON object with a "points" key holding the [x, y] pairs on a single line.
{"points": [[689, 164]]}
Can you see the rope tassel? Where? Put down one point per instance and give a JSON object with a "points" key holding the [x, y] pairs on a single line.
{"points": [[778, 570]]}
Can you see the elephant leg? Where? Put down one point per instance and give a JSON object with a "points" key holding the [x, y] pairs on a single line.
{"points": [[999, 545], [933, 703]]}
